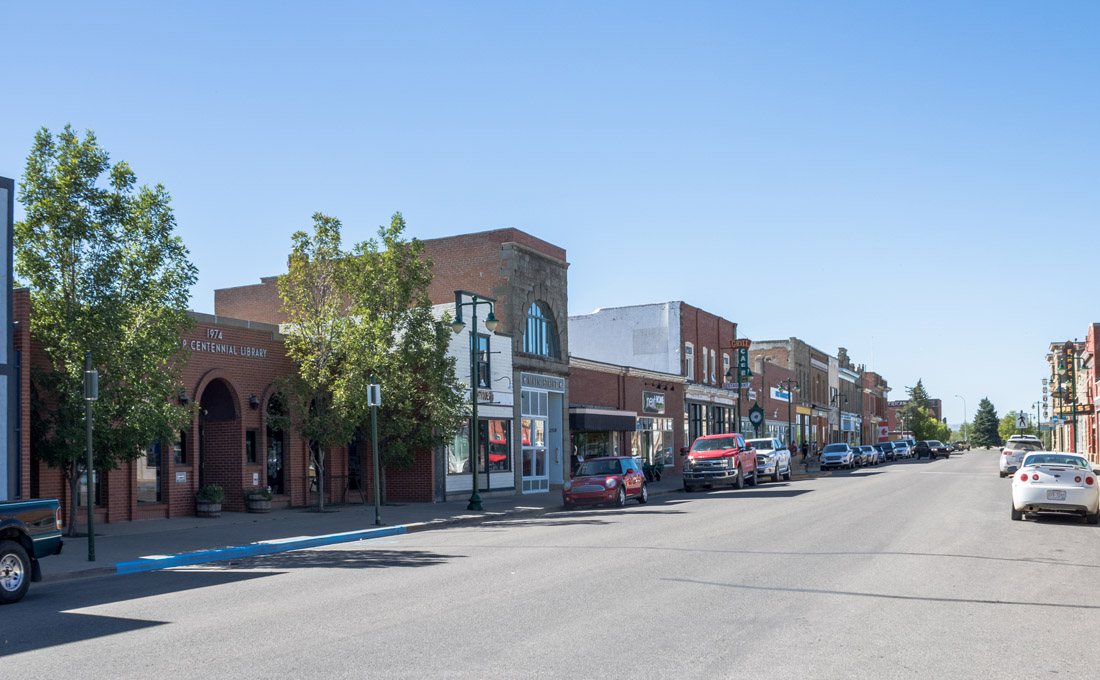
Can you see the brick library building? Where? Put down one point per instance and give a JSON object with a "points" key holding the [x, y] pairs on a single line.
{"points": [[236, 355]]}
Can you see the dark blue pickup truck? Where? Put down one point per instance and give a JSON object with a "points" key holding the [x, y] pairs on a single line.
{"points": [[29, 530]]}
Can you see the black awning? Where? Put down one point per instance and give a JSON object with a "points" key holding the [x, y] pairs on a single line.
{"points": [[601, 422]]}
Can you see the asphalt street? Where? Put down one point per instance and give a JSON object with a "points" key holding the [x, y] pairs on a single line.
{"points": [[907, 570]]}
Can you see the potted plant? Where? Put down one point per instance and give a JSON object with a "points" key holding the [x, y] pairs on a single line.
{"points": [[258, 499], [208, 501]]}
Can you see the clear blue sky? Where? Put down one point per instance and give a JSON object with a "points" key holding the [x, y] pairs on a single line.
{"points": [[911, 180]]}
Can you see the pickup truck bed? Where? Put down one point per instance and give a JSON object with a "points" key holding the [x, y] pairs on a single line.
{"points": [[29, 530]]}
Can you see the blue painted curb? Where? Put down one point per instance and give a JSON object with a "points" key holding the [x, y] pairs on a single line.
{"points": [[265, 548]]}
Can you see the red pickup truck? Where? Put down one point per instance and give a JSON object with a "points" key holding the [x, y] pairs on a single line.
{"points": [[719, 459]]}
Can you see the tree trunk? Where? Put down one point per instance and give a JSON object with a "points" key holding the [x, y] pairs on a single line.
{"points": [[72, 475]]}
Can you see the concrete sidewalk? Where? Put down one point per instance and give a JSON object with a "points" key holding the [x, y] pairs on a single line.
{"points": [[125, 547]]}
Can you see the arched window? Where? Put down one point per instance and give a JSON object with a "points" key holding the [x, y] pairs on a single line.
{"points": [[541, 335]]}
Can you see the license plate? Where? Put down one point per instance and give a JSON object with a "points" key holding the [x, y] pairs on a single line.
{"points": [[1056, 495]]}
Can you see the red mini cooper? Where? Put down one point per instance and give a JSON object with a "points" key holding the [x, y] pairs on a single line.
{"points": [[606, 480]]}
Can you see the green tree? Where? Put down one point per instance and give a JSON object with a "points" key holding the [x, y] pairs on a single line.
{"points": [[917, 413], [354, 315], [318, 328], [107, 276], [984, 429], [398, 340]]}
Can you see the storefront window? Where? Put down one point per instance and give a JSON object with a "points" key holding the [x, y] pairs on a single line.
{"points": [[148, 475], [179, 450], [250, 446], [494, 443], [652, 441], [482, 361]]}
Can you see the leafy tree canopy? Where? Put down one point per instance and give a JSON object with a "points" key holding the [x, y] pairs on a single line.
{"points": [[107, 276]]}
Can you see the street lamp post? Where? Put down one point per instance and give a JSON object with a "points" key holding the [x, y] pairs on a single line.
{"points": [[839, 417], [1038, 432], [491, 325], [966, 438], [790, 399]]}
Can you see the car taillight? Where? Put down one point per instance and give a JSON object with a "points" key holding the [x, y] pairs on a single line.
{"points": [[57, 517], [1077, 479], [1006, 452], [1023, 478], [1088, 480]]}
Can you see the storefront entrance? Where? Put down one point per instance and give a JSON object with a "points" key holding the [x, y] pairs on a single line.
{"points": [[220, 442], [541, 434]]}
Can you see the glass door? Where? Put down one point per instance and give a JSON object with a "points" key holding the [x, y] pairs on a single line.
{"points": [[536, 470]]}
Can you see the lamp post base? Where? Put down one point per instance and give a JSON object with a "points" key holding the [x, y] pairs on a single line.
{"points": [[475, 503]]}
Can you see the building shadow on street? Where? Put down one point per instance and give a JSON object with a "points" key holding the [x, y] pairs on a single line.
{"points": [[47, 616]]}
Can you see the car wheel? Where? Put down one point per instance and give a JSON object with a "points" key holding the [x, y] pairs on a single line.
{"points": [[1094, 518], [643, 497], [1016, 514], [620, 498], [787, 475], [776, 477], [1002, 474], [569, 506], [688, 488], [740, 482], [751, 481], [15, 575]]}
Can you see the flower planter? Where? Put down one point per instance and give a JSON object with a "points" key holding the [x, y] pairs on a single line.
{"points": [[258, 504], [207, 509]]}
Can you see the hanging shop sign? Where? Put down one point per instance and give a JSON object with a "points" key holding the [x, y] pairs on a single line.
{"points": [[780, 394], [653, 402]]}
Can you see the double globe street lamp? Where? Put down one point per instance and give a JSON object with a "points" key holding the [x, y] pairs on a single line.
{"points": [[457, 326]]}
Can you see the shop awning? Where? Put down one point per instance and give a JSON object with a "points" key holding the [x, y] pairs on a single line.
{"points": [[582, 418]]}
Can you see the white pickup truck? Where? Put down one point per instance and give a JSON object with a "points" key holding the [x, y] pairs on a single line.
{"points": [[772, 459]]}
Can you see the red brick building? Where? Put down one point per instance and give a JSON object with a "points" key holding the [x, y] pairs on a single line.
{"points": [[626, 411], [528, 279]]}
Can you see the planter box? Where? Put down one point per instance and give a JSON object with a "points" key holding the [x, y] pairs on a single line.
{"points": [[207, 509], [258, 504]]}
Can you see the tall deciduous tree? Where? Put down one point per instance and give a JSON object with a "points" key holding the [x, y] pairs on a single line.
{"points": [[107, 276], [983, 431], [918, 413], [351, 315], [398, 340], [317, 337]]}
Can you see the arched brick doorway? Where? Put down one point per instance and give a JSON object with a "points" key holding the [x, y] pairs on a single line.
{"points": [[220, 446]]}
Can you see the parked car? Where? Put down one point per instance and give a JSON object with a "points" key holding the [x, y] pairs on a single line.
{"points": [[29, 531], [772, 458], [1056, 482], [874, 455], [719, 459], [837, 456], [606, 480], [902, 449], [962, 446], [1014, 451], [888, 451]]}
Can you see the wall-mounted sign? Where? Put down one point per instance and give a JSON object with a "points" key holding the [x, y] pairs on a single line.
{"points": [[780, 394], [212, 344], [542, 382], [181, 478], [653, 402], [498, 398]]}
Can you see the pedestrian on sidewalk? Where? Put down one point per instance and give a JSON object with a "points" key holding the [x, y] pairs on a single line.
{"points": [[805, 451]]}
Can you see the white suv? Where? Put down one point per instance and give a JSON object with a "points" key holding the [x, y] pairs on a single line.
{"points": [[1017, 446]]}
